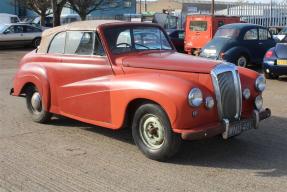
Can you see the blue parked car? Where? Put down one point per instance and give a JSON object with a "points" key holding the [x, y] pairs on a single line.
{"points": [[239, 43], [275, 61]]}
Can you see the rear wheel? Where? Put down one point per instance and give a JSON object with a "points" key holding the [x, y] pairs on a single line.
{"points": [[242, 61], [35, 106], [152, 133], [36, 42]]}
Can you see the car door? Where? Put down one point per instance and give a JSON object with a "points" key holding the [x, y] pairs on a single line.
{"points": [[265, 41], [80, 80], [30, 33], [251, 43]]}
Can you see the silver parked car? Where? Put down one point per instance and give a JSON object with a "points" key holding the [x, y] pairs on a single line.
{"points": [[19, 34]]}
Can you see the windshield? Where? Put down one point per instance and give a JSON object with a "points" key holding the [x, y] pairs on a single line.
{"points": [[2, 28], [227, 33], [124, 39], [283, 32]]}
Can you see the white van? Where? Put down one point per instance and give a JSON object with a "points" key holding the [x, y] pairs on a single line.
{"points": [[6, 18]]}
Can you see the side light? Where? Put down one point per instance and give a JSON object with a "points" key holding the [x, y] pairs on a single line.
{"points": [[246, 93], [209, 102]]}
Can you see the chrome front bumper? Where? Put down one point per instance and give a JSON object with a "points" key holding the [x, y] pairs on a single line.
{"points": [[225, 127]]}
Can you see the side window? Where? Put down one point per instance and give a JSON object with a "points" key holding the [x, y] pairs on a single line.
{"points": [[29, 29], [98, 50], [251, 34], [181, 35], [79, 43], [58, 43], [263, 34]]}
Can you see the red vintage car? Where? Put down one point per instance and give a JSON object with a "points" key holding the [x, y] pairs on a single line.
{"points": [[116, 74]]}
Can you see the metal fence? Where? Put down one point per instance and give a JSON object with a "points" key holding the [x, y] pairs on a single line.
{"points": [[269, 15]]}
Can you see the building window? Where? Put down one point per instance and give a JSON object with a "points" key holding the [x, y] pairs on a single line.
{"points": [[127, 3], [112, 3]]}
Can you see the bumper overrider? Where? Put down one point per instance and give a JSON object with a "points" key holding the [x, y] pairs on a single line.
{"points": [[229, 129]]}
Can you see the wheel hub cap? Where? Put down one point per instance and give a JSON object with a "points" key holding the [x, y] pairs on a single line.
{"points": [[36, 102], [152, 132]]}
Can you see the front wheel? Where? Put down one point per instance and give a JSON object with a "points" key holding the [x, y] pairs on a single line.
{"points": [[152, 133], [35, 106], [242, 61]]}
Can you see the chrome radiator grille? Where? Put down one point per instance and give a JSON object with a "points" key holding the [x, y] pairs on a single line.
{"points": [[227, 88]]}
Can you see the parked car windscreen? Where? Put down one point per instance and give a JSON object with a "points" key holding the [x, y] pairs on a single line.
{"points": [[123, 39], [2, 28], [283, 32], [227, 33]]}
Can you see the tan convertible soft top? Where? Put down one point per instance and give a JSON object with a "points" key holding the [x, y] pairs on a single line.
{"points": [[48, 34]]}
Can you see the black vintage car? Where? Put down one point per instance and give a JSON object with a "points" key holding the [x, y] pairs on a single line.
{"points": [[239, 43]]}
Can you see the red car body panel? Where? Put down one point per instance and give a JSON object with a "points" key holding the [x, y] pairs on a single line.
{"points": [[98, 90]]}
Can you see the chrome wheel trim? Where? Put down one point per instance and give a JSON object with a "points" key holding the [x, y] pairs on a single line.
{"points": [[36, 102], [152, 131], [242, 61]]}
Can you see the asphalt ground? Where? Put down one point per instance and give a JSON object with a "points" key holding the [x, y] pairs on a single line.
{"points": [[67, 155]]}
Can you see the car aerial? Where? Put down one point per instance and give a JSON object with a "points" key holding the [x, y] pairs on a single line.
{"points": [[177, 38], [239, 43], [275, 61], [19, 34], [103, 73]]}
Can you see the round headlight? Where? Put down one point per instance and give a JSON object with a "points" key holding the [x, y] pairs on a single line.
{"points": [[259, 102], [209, 102], [195, 97], [260, 83], [246, 93]]}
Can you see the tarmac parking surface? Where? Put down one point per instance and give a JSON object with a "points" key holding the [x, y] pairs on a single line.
{"points": [[67, 155]]}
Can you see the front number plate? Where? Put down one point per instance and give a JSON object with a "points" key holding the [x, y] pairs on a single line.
{"points": [[236, 128]]}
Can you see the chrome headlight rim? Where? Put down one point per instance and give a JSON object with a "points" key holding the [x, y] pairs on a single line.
{"points": [[258, 102], [195, 97], [260, 83]]}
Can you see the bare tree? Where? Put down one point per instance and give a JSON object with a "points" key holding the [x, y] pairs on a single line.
{"points": [[41, 7], [57, 6], [84, 7]]}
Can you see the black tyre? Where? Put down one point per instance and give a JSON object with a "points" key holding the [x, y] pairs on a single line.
{"points": [[152, 133], [35, 106], [270, 76], [36, 42], [242, 61]]}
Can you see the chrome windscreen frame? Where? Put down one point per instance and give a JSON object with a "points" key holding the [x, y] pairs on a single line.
{"points": [[222, 68]]}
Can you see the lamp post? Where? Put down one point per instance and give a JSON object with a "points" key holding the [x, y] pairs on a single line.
{"points": [[140, 6], [212, 8]]}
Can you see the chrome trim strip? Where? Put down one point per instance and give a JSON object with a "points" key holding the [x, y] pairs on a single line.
{"points": [[222, 68]]}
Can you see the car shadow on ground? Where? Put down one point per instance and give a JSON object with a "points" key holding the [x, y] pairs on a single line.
{"points": [[263, 150], [16, 48]]}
